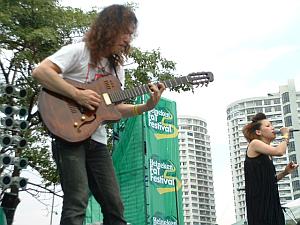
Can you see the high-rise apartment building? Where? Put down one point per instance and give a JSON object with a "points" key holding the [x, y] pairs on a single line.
{"points": [[196, 171], [282, 109]]}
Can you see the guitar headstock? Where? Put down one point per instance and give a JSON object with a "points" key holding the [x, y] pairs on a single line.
{"points": [[200, 78]]}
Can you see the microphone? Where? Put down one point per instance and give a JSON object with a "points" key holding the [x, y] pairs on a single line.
{"points": [[290, 130]]}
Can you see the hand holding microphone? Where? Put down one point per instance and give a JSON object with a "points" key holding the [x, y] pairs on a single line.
{"points": [[285, 132]]}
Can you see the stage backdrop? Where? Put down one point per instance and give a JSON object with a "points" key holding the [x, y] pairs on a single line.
{"points": [[146, 159]]}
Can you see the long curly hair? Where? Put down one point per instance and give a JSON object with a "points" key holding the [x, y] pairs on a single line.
{"points": [[249, 130], [109, 24]]}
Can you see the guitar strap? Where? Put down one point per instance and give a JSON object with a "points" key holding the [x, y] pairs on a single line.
{"points": [[112, 63]]}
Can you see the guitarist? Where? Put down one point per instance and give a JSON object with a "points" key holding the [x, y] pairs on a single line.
{"points": [[87, 166]]}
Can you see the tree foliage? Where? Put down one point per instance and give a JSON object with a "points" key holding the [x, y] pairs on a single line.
{"points": [[31, 30]]}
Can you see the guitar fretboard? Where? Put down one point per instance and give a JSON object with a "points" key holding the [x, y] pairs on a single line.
{"points": [[122, 95]]}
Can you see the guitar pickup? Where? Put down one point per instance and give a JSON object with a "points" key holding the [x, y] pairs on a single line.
{"points": [[106, 99]]}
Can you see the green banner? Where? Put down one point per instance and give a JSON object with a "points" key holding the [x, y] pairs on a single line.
{"points": [[162, 158], [2, 217]]}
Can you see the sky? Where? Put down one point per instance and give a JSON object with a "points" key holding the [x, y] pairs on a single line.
{"points": [[251, 47]]}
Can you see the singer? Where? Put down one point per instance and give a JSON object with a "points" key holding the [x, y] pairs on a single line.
{"points": [[262, 197]]}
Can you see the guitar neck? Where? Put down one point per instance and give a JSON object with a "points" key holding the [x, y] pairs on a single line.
{"points": [[122, 95]]}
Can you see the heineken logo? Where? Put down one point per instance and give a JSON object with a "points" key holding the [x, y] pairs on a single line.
{"points": [[163, 175], [162, 121], [159, 219]]}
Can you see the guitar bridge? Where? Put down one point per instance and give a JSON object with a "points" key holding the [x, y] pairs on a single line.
{"points": [[106, 99]]}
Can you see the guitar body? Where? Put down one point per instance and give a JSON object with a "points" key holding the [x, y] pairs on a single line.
{"points": [[72, 122]]}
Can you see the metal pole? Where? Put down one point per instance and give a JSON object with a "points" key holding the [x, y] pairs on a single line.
{"points": [[52, 206], [177, 211]]}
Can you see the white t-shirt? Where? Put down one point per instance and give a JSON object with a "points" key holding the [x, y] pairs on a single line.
{"points": [[74, 62]]}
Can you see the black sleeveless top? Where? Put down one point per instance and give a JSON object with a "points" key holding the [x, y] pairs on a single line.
{"points": [[262, 197]]}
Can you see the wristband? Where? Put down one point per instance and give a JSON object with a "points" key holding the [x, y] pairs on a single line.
{"points": [[285, 136], [135, 110]]}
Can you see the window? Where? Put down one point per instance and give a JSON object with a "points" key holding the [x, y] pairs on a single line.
{"points": [[292, 158], [250, 111], [267, 102], [285, 97], [286, 109], [259, 110], [295, 174], [288, 121], [296, 185], [268, 109], [277, 101], [277, 108], [291, 147], [258, 102], [189, 133]]}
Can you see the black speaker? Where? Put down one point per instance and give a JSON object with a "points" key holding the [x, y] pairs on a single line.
{"points": [[21, 93], [21, 163], [21, 111], [19, 142], [5, 160], [8, 90], [21, 124], [19, 182], [5, 181], [7, 122], [5, 140], [7, 109]]}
